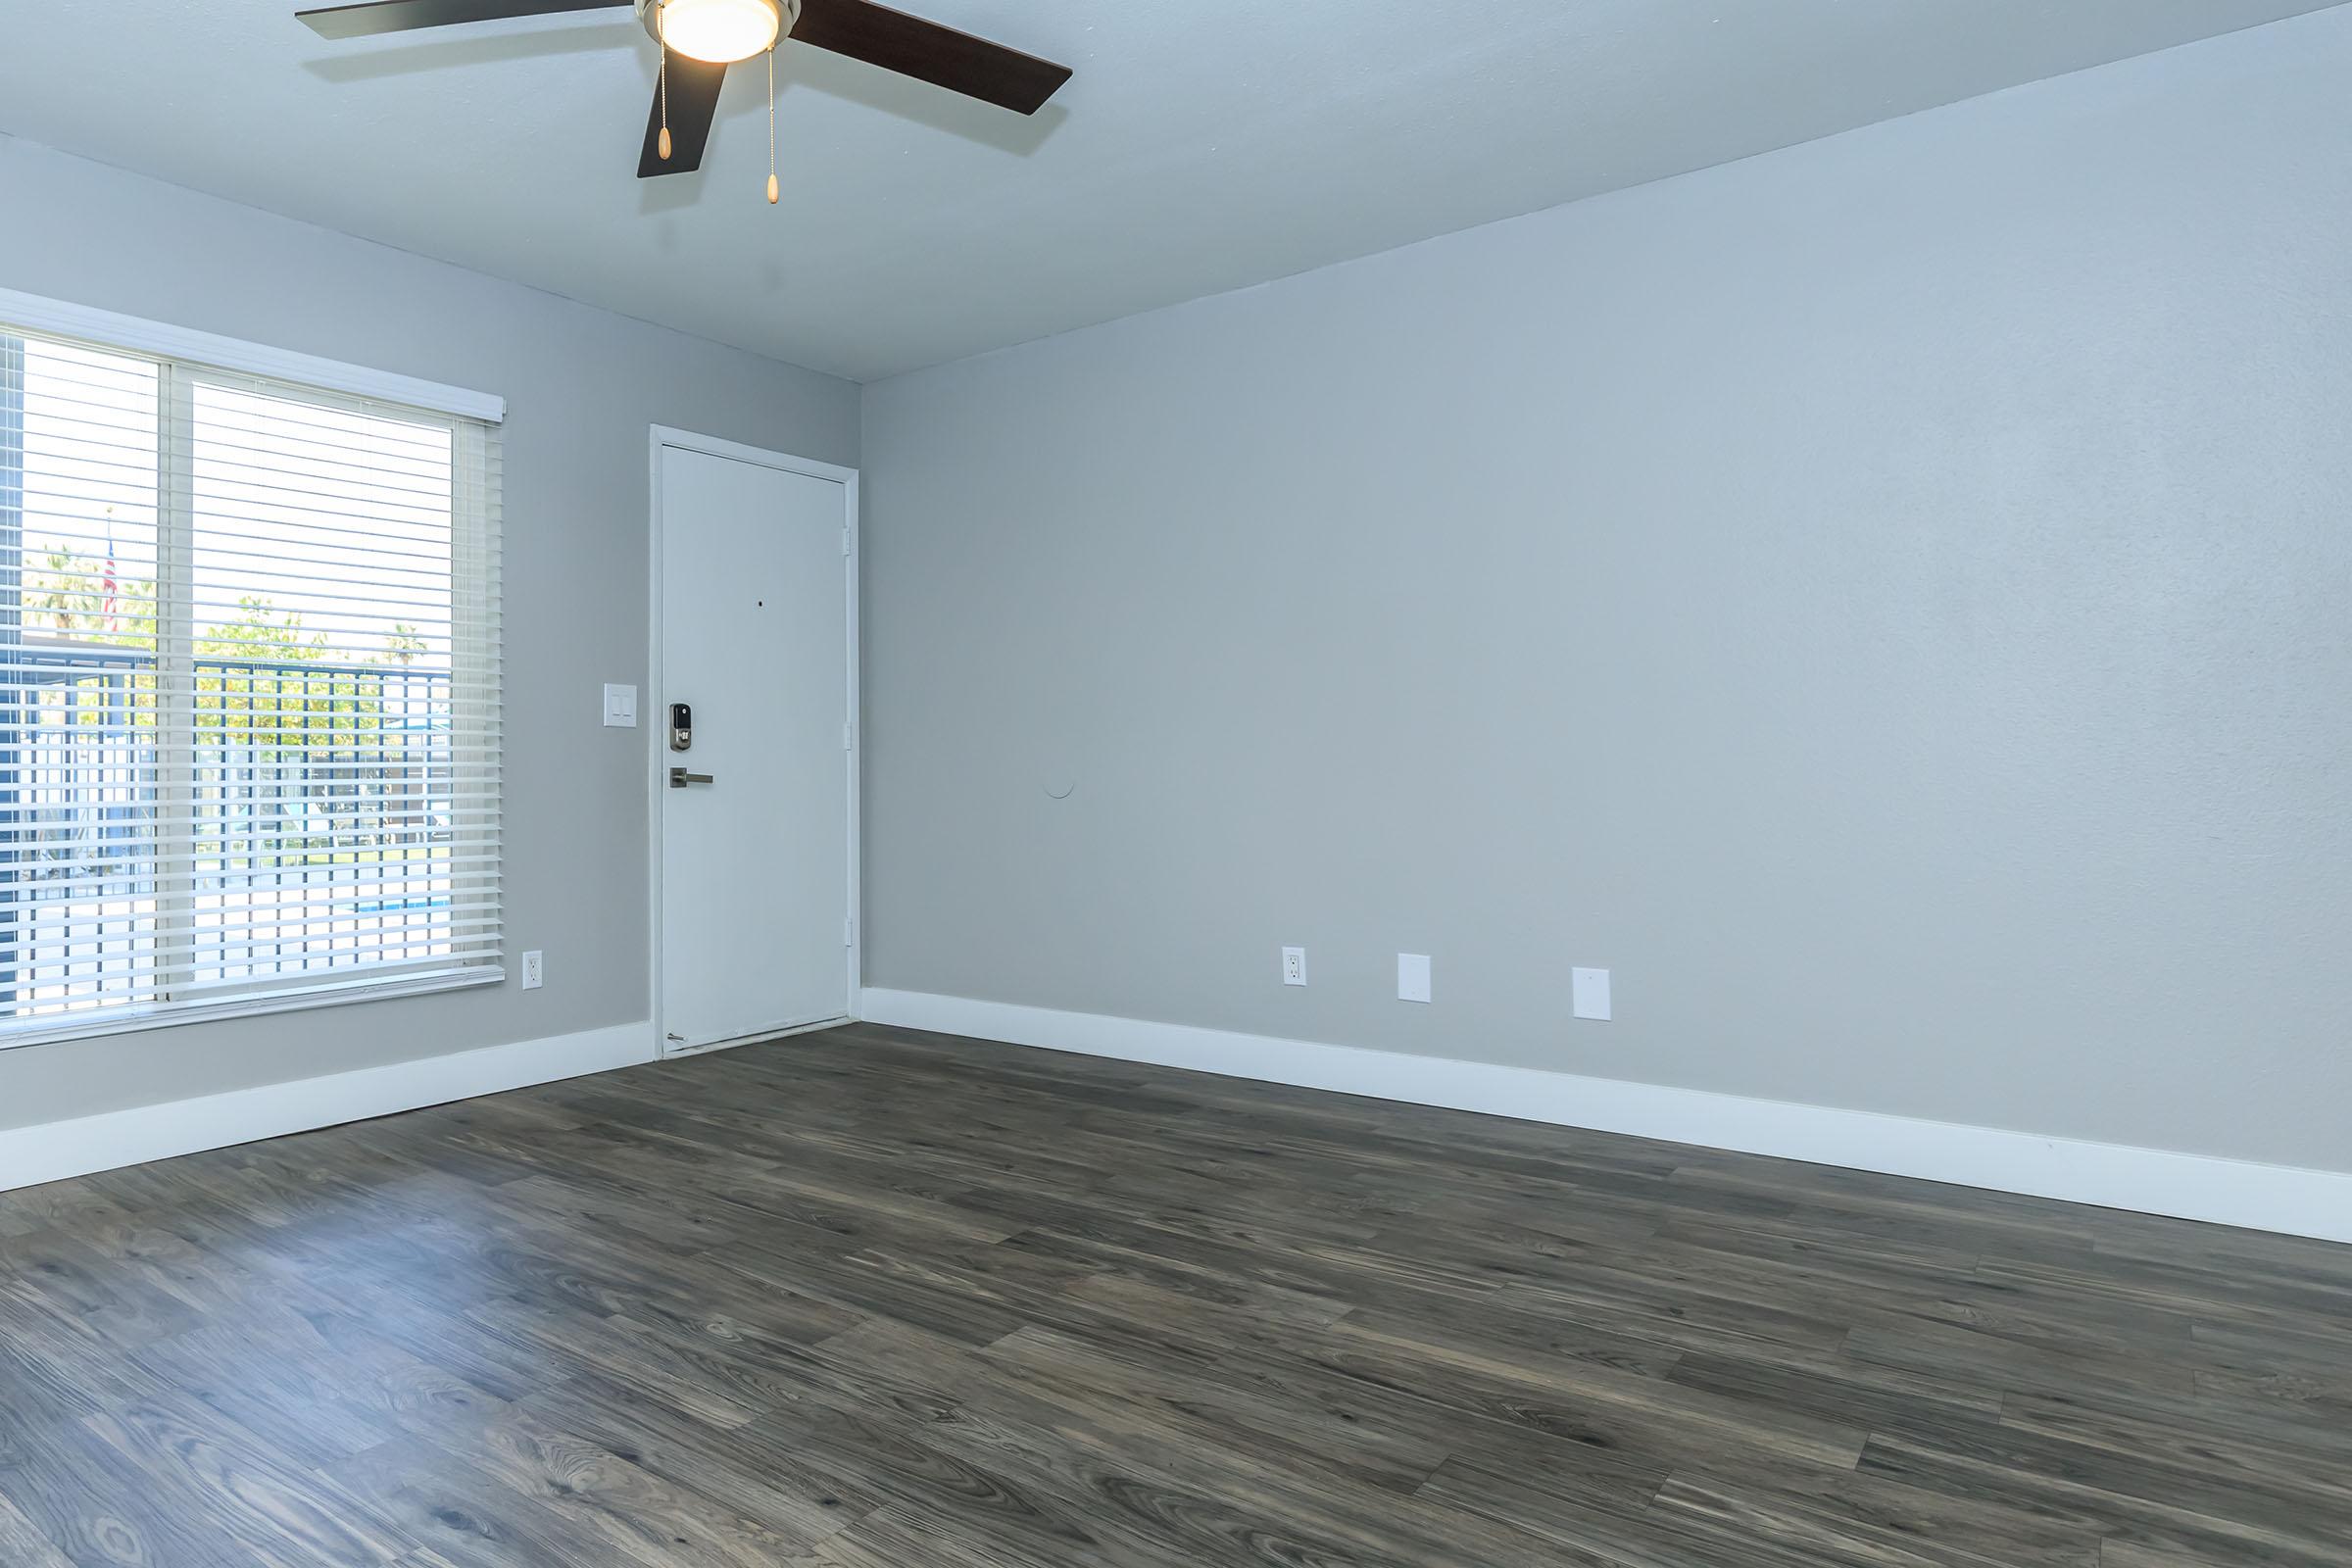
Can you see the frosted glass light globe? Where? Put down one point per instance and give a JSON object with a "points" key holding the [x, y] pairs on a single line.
{"points": [[720, 31]]}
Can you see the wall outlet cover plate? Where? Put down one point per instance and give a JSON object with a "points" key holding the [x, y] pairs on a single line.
{"points": [[1412, 977], [1592, 994]]}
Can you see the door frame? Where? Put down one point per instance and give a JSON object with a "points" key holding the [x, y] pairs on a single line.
{"points": [[657, 749]]}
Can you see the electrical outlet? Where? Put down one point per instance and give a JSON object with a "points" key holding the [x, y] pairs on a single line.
{"points": [[1591, 988], [1294, 966], [1412, 977], [534, 971]]}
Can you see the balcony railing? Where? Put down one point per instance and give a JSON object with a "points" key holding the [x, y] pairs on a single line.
{"points": [[306, 807]]}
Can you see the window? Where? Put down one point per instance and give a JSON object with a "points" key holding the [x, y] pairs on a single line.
{"points": [[249, 692]]}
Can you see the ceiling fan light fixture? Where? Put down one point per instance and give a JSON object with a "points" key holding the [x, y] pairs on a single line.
{"points": [[719, 31]]}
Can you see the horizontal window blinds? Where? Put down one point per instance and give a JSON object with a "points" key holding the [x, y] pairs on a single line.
{"points": [[249, 689]]}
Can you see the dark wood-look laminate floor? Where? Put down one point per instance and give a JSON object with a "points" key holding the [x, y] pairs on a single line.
{"points": [[873, 1300]]}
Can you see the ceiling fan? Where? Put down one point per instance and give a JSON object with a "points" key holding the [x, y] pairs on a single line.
{"points": [[701, 38]]}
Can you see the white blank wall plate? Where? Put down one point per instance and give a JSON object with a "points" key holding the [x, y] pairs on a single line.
{"points": [[1412, 977], [1592, 994]]}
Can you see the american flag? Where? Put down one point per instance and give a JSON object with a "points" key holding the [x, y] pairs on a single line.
{"points": [[107, 607]]}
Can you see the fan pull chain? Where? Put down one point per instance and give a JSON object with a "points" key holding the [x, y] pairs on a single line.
{"points": [[662, 30], [771, 126]]}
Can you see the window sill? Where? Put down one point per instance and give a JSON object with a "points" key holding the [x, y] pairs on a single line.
{"points": [[329, 994]]}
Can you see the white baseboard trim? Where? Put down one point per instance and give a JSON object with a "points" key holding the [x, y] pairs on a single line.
{"points": [[2153, 1181], [54, 1151]]}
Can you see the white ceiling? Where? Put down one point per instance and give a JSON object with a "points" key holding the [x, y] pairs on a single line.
{"points": [[1203, 145]]}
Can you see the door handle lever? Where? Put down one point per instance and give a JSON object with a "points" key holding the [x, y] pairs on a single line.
{"points": [[679, 778]]}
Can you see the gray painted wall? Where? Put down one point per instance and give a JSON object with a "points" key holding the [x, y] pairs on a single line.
{"points": [[583, 387], [1891, 601]]}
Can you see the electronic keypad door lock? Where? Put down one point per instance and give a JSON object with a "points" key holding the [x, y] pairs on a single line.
{"points": [[681, 727]]}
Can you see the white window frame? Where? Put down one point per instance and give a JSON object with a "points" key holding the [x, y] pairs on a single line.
{"points": [[184, 347], [137, 335]]}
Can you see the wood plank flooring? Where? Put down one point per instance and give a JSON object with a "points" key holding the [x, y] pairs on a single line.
{"points": [[877, 1300]]}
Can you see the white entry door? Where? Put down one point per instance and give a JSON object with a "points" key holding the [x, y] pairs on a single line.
{"points": [[755, 869]]}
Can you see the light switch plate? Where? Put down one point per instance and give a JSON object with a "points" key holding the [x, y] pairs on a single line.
{"points": [[1412, 977], [1592, 994], [621, 707]]}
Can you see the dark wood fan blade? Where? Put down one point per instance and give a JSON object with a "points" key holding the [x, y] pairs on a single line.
{"points": [[692, 99], [401, 16], [929, 52]]}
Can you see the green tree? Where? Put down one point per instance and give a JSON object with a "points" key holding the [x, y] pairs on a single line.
{"points": [[63, 594]]}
